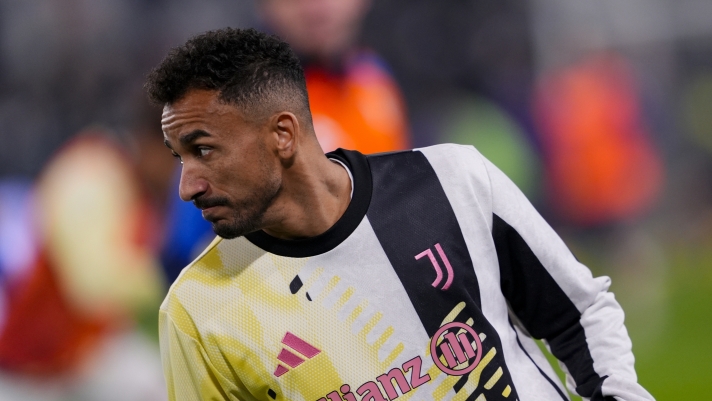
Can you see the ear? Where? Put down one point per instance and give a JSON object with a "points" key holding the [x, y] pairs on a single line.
{"points": [[286, 130]]}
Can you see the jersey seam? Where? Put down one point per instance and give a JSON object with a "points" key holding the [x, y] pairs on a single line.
{"points": [[550, 380]]}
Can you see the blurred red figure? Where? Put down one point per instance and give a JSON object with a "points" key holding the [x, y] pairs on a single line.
{"points": [[354, 101], [69, 323], [601, 164]]}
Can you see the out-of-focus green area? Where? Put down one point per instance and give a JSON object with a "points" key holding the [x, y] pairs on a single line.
{"points": [[668, 318], [671, 336]]}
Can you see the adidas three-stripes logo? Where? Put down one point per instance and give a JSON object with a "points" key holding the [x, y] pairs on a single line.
{"points": [[293, 359]]}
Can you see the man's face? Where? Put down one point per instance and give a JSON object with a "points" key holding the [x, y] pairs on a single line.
{"points": [[228, 169]]}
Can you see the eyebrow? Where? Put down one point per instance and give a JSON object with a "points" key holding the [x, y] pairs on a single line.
{"points": [[187, 139]]}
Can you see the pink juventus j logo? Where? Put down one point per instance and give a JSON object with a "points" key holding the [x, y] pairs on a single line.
{"points": [[438, 271]]}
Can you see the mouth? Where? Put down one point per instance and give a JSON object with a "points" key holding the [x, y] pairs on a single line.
{"points": [[210, 213], [209, 207]]}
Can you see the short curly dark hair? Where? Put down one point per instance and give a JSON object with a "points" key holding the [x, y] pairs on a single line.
{"points": [[248, 68]]}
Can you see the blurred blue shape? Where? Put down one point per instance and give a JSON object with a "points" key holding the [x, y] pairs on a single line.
{"points": [[18, 240], [186, 234]]}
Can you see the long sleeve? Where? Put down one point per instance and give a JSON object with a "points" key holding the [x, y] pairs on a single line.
{"points": [[189, 374], [555, 298]]}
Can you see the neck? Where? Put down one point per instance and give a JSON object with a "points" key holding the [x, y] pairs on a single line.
{"points": [[315, 194]]}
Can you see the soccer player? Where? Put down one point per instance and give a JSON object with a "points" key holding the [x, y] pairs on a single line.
{"points": [[420, 274], [355, 103]]}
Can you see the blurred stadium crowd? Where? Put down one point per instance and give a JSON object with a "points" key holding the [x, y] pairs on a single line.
{"points": [[600, 111]]}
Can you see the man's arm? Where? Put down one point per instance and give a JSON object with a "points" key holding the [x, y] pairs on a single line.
{"points": [[556, 299], [189, 374]]}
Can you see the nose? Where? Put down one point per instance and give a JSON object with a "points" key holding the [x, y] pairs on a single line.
{"points": [[191, 185]]}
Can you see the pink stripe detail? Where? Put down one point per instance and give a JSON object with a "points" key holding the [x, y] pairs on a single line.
{"points": [[434, 261], [447, 353], [466, 345], [447, 266], [289, 358], [280, 370], [300, 345], [459, 353]]}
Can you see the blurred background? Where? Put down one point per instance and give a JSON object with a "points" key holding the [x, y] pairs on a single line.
{"points": [[600, 111]]}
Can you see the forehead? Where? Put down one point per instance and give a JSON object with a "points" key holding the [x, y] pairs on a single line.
{"points": [[195, 105], [204, 110]]}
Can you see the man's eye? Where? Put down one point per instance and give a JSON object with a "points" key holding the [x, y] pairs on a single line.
{"points": [[204, 151]]}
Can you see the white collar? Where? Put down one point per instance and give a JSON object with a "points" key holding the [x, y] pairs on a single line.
{"points": [[351, 177]]}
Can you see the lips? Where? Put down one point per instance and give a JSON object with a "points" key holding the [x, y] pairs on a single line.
{"points": [[209, 206], [207, 203], [209, 213]]}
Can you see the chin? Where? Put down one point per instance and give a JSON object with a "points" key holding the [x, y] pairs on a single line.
{"points": [[246, 217], [234, 229]]}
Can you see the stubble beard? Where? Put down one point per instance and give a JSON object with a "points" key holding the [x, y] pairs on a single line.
{"points": [[249, 215]]}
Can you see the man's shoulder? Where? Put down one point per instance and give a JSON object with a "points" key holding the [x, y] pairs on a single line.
{"points": [[451, 150], [445, 158], [460, 170], [211, 269], [219, 276]]}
